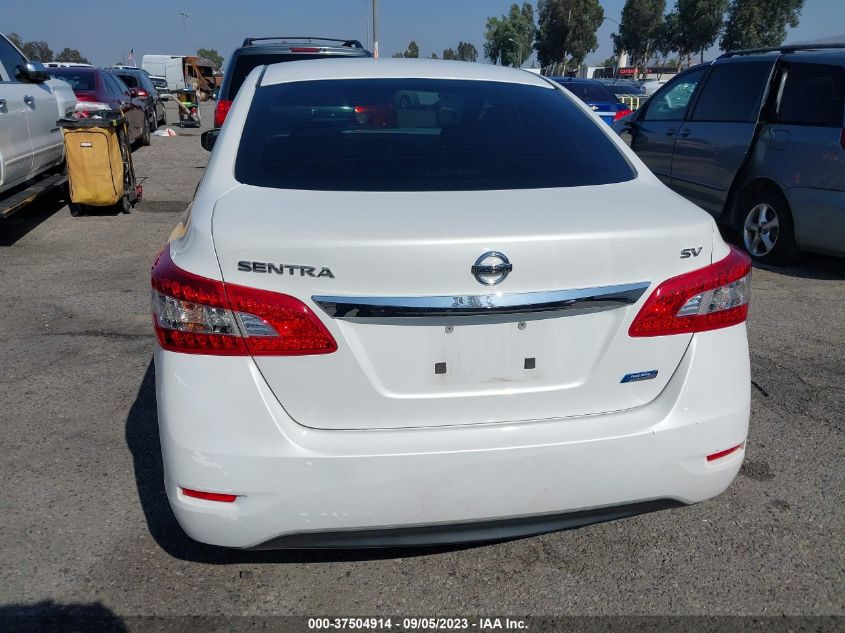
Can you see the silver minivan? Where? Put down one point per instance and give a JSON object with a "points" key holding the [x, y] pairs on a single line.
{"points": [[757, 138]]}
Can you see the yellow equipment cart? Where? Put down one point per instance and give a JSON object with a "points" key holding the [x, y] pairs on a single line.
{"points": [[99, 162]]}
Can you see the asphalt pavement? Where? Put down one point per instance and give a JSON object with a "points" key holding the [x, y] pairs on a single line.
{"points": [[86, 526]]}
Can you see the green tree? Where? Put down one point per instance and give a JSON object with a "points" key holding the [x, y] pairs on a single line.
{"points": [[758, 23], [37, 51], [449, 53], [610, 62], [412, 51], [466, 52], [567, 29], [211, 55], [640, 29], [71, 55], [696, 25], [509, 39], [15, 39], [434, 56]]}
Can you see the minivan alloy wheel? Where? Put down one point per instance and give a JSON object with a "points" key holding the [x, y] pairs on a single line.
{"points": [[761, 228]]}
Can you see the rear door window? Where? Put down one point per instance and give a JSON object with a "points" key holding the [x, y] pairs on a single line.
{"points": [[670, 102], [422, 135], [590, 92], [733, 92], [813, 94]]}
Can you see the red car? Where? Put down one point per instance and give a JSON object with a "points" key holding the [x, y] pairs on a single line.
{"points": [[98, 89]]}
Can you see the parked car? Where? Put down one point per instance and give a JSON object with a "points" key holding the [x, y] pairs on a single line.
{"points": [[422, 326], [258, 51], [597, 96], [98, 89], [756, 138], [146, 90], [160, 84], [31, 145]]}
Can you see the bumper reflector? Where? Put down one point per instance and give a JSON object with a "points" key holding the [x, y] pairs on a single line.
{"points": [[724, 453], [213, 496]]}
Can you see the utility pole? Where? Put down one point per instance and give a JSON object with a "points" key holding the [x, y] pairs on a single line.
{"points": [[375, 29], [185, 16]]}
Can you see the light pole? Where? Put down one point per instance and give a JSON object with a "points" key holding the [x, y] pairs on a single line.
{"points": [[519, 49], [375, 29], [616, 68], [185, 17]]}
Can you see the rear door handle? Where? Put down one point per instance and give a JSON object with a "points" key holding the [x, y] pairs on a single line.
{"points": [[685, 132], [29, 100], [670, 132], [2, 103]]}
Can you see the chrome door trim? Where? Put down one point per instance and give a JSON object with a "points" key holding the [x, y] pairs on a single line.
{"points": [[352, 308]]}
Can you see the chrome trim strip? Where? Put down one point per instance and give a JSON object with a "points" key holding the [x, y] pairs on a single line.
{"points": [[581, 299]]}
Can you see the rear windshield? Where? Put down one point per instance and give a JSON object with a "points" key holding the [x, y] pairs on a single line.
{"points": [[422, 135], [79, 80], [129, 79], [245, 63], [589, 92]]}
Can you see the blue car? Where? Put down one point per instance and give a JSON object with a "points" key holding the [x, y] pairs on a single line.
{"points": [[596, 95]]}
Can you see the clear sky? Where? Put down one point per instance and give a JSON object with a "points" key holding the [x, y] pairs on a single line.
{"points": [[104, 30]]}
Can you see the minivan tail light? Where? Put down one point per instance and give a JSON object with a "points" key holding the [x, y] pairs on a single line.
{"points": [[220, 111], [196, 315], [709, 298]]}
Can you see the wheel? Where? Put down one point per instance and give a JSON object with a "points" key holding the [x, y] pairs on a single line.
{"points": [[765, 224], [153, 121], [125, 205], [76, 209], [145, 136]]}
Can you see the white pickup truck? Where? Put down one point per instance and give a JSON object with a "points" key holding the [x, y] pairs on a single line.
{"points": [[31, 147]]}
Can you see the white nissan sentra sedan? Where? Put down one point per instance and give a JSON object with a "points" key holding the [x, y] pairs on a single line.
{"points": [[421, 302]]}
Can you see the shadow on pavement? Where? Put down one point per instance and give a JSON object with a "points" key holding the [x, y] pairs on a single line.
{"points": [[20, 223], [142, 439], [52, 617]]}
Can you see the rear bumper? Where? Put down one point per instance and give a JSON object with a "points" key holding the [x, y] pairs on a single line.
{"points": [[222, 430]]}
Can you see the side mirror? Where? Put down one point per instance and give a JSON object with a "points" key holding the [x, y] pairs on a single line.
{"points": [[209, 138], [35, 72]]}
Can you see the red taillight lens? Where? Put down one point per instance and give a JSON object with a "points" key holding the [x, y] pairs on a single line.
{"points": [[724, 453], [209, 496], [220, 111], [621, 113], [143, 94], [713, 297], [195, 315]]}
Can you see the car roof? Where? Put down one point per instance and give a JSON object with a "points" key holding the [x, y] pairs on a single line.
{"points": [[827, 57], [390, 68]]}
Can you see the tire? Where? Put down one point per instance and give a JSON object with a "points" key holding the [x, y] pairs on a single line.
{"points": [[76, 209], [145, 135], [125, 206], [153, 121], [765, 227]]}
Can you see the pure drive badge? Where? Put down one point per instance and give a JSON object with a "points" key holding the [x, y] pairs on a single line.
{"points": [[285, 269]]}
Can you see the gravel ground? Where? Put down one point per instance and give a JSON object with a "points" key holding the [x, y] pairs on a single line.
{"points": [[86, 526]]}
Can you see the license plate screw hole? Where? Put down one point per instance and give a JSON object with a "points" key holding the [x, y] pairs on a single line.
{"points": [[449, 329], [439, 368], [521, 325]]}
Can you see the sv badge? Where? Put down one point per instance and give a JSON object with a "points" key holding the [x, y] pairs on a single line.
{"points": [[690, 252]]}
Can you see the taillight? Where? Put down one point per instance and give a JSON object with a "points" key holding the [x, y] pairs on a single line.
{"points": [[709, 298], [142, 94], [196, 315], [220, 111], [621, 113], [304, 49]]}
